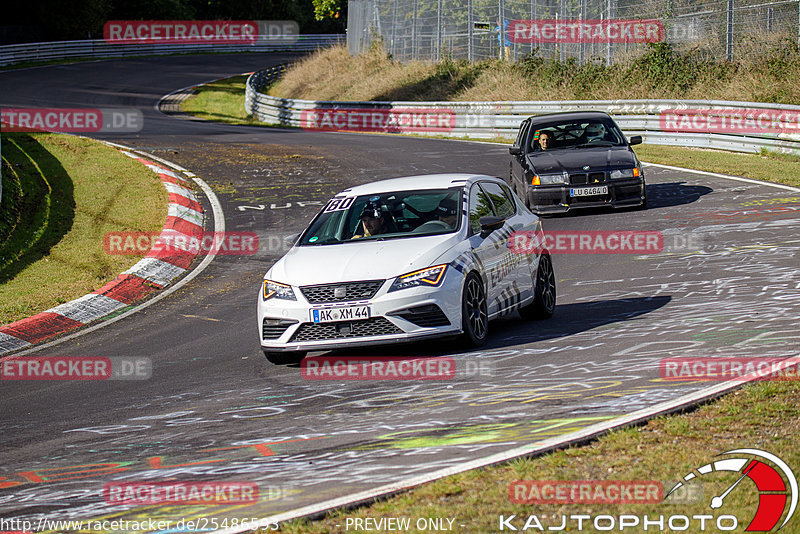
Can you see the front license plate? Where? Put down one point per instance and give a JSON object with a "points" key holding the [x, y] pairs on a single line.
{"points": [[588, 191], [350, 313]]}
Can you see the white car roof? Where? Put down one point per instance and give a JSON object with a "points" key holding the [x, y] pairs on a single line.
{"points": [[410, 183]]}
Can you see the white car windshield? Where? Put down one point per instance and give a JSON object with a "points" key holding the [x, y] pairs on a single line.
{"points": [[392, 215]]}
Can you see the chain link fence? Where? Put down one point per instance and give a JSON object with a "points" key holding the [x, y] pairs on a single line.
{"points": [[610, 30]]}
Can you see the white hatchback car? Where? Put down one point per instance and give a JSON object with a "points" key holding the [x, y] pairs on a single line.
{"points": [[401, 260]]}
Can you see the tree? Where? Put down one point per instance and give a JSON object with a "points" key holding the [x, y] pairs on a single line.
{"points": [[326, 9]]}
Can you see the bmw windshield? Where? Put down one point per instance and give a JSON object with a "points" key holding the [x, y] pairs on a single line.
{"points": [[575, 134], [391, 215]]}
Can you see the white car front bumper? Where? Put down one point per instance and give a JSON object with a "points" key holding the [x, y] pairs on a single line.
{"points": [[287, 325]]}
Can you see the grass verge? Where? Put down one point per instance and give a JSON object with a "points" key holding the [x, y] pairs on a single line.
{"points": [[770, 166], [765, 415], [222, 100], [61, 195]]}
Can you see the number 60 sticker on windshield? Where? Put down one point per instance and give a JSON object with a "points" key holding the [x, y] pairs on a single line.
{"points": [[339, 204]]}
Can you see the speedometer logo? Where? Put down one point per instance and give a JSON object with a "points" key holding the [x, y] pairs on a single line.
{"points": [[773, 494]]}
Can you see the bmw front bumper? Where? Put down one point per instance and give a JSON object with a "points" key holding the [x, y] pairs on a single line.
{"points": [[556, 198]]}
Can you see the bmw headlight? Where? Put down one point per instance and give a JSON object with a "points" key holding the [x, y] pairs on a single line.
{"points": [[625, 173], [430, 276], [550, 179], [278, 291]]}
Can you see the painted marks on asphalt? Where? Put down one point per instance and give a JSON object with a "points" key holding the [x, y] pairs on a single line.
{"points": [[284, 205]]}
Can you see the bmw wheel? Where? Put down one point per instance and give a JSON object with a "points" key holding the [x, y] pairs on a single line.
{"points": [[474, 316], [544, 300]]}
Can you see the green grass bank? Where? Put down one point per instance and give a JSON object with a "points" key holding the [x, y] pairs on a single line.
{"points": [[61, 195]]}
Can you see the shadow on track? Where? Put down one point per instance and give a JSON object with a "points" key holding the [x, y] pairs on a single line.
{"points": [[664, 195], [660, 195], [569, 319]]}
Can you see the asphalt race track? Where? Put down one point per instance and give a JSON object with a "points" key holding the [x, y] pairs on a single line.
{"points": [[214, 409]]}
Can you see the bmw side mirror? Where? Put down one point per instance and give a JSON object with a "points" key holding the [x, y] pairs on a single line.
{"points": [[635, 140], [514, 150], [489, 224]]}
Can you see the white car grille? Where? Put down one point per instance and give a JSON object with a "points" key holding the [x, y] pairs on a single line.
{"points": [[341, 292], [376, 326]]}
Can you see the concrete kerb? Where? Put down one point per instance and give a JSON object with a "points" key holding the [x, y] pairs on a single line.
{"points": [[147, 276]]}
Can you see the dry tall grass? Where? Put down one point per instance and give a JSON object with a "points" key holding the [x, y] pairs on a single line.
{"points": [[501, 82], [659, 72], [332, 74]]}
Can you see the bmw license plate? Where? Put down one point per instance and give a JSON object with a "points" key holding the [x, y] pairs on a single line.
{"points": [[349, 313], [588, 191]]}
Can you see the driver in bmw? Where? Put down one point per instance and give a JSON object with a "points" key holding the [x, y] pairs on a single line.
{"points": [[373, 221]]}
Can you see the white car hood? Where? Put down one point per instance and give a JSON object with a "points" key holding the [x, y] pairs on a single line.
{"points": [[365, 260]]}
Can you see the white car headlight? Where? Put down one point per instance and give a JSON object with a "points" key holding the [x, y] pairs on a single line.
{"points": [[278, 291], [624, 173], [550, 179], [430, 276]]}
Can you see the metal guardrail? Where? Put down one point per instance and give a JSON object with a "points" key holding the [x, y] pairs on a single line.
{"points": [[482, 120], [262, 79], [98, 48]]}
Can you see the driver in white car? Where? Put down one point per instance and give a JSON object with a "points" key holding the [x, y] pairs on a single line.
{"points": [[448, 211], [373, 221]]}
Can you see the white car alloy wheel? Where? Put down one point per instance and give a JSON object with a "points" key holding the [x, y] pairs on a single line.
{"points": [[476, 319]]}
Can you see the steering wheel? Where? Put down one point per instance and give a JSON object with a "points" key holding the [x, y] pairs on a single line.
{"points": [[432, 226]]}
